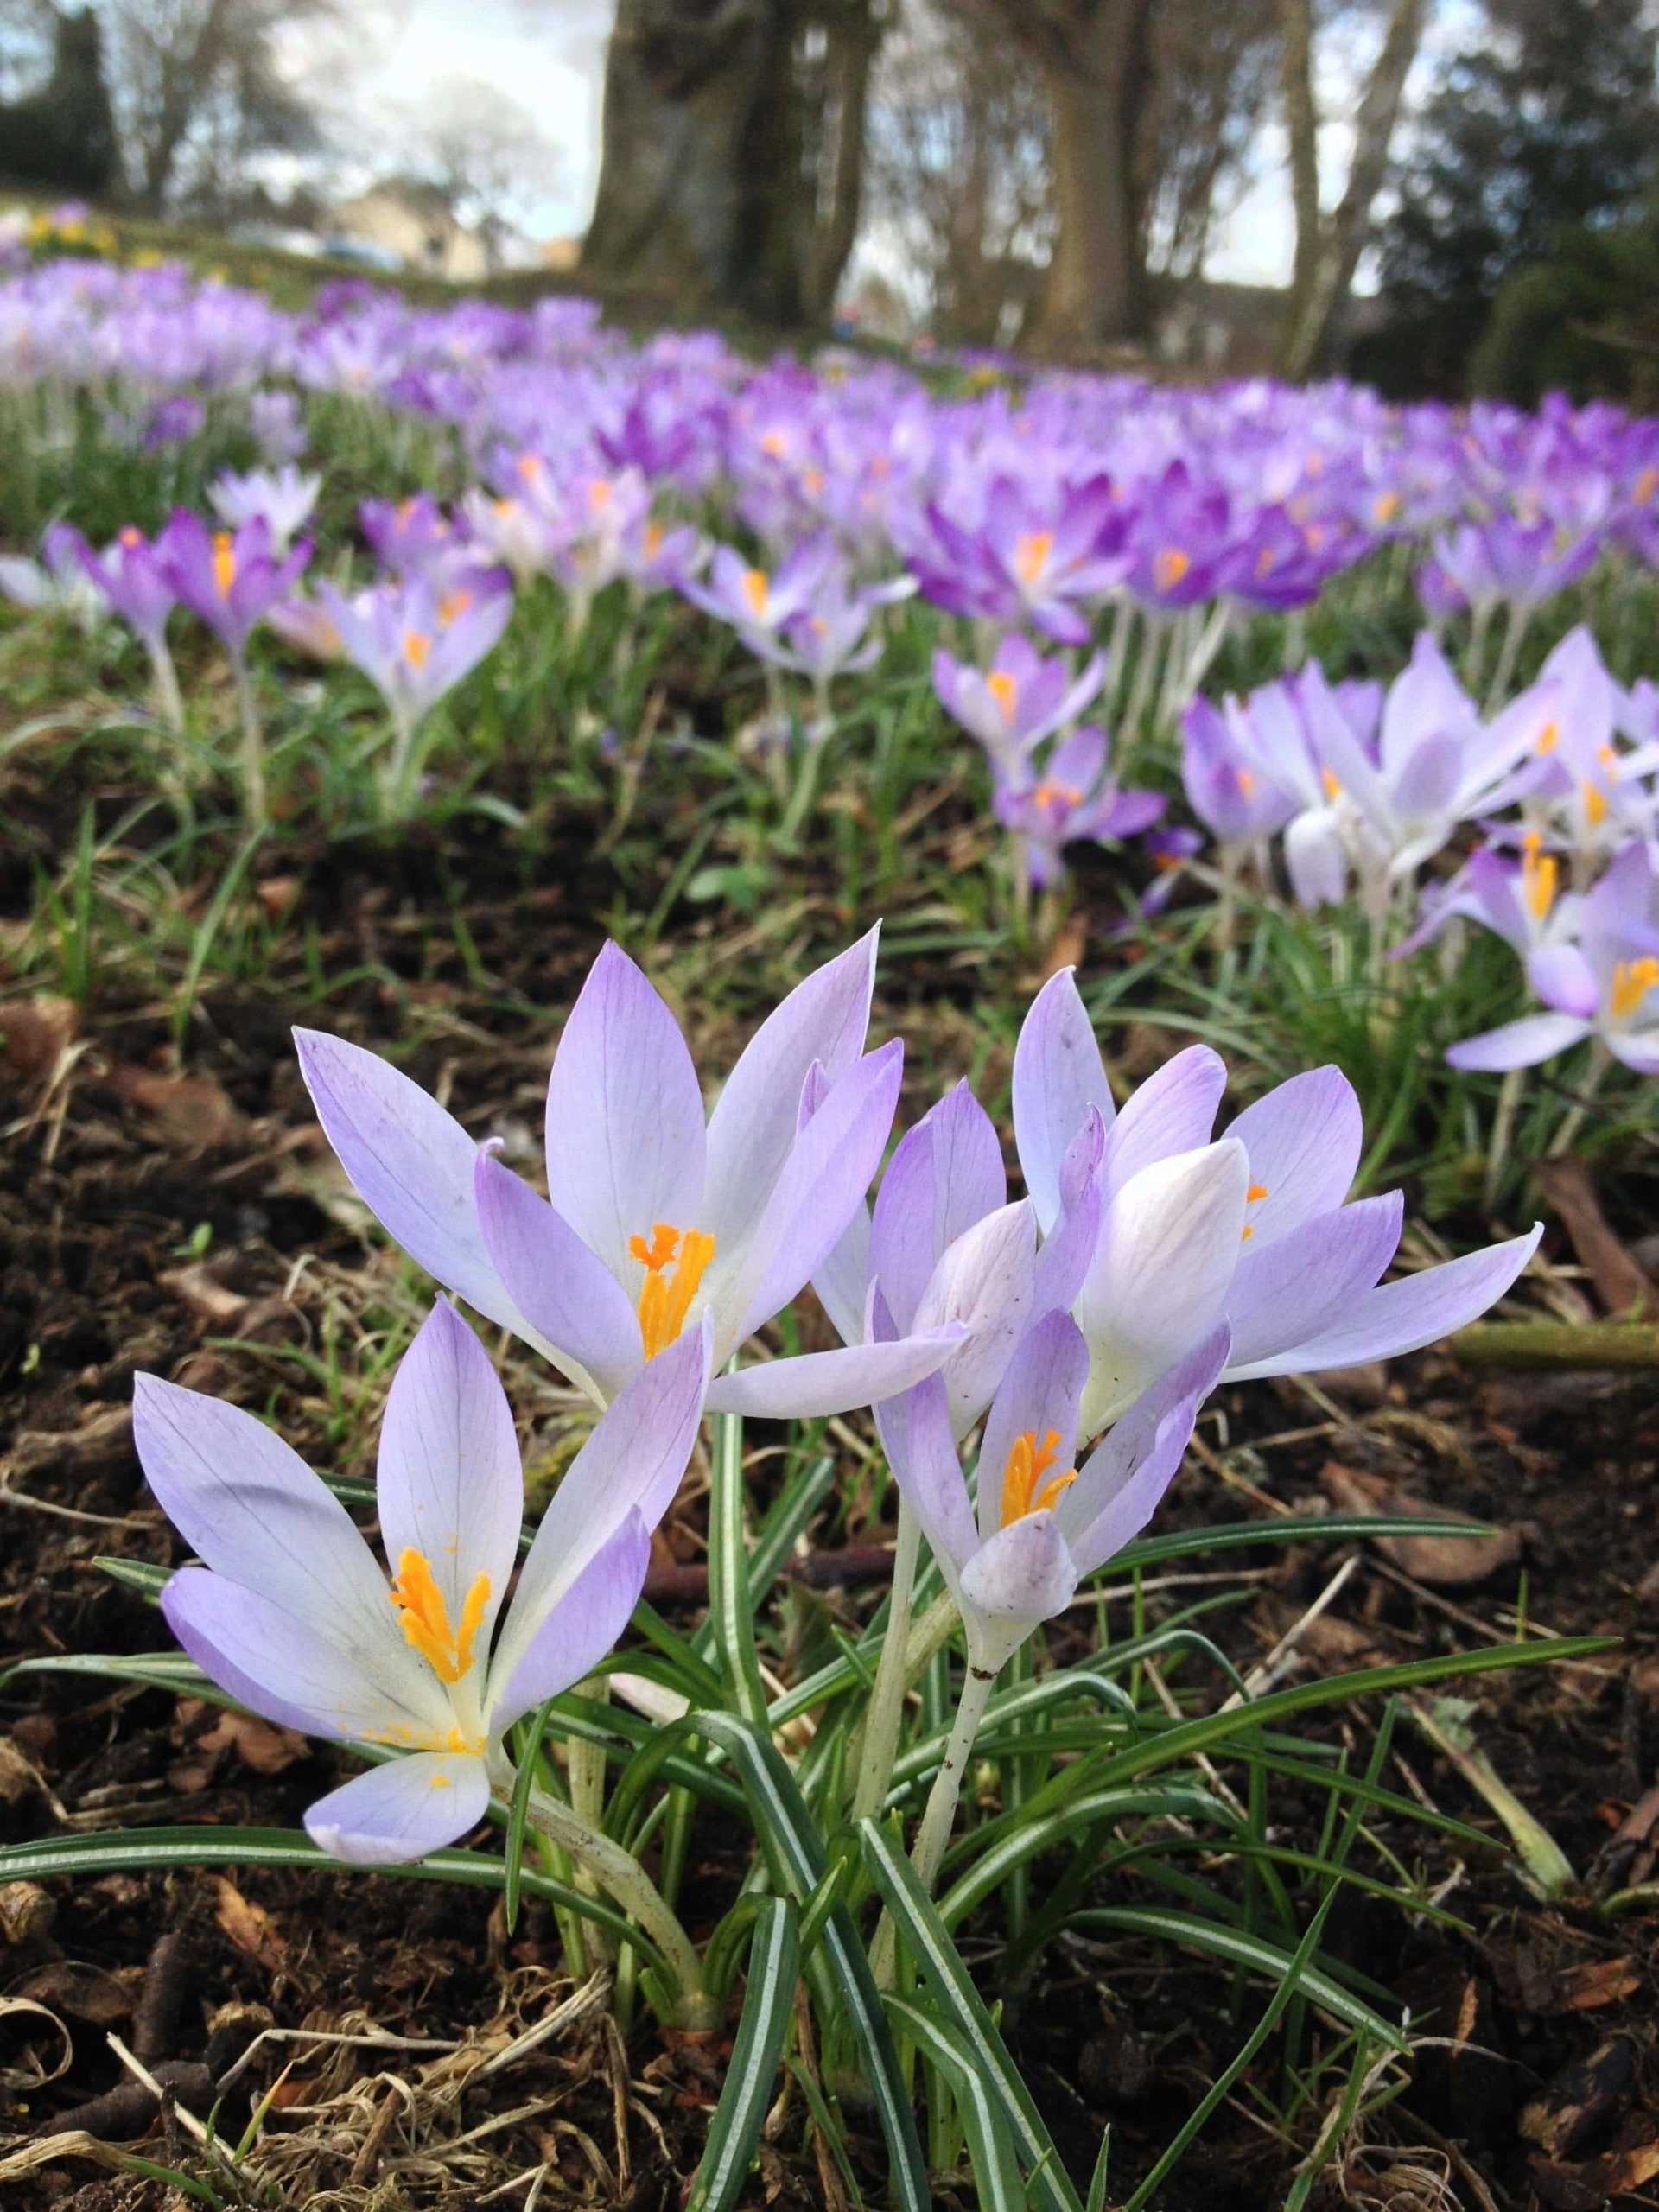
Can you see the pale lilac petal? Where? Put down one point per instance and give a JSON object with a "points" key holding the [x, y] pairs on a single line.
{"points": [[842, 1278], [1025, 1574], [1291, 1289], [945, 1175], [1063, 1262], [826, 1175], [1121, 1485], [583, 1624], [294, 1673], [915, 1431], [625, 1121], [1173, 1110], [1561, 977], [1315, 858], [1404, 1316], [396, 1813], [985, 1280], [631, 1462], [754, 1124], [565, 1291], [1168, 1245], [450, 1483], [1304, 1141], [1640, 1052], [411, 1165], [1518, 1044], [820, 1382], [251, 1508], [1058, 1077], [1038, 1394]]}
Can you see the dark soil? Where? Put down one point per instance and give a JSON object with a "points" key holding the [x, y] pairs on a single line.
{"points": [[1540, 2083]]}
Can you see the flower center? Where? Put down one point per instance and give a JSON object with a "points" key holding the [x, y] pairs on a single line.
{"points": [[454, 603], [1028, 1487], [1632, 980], [1595, 803], [1245, 778], [425, 1617], [756, 584], [223, 563], [1170, 566], [599, 494], [1030, 554], [1253, 1197], [1646, 485], [1387, 507], [653, 540], [1006, 692], [417, 646], [131, 537], [1051, 794], [1548, 738], [664, 1297], [1539, 874], [1328, 780]]}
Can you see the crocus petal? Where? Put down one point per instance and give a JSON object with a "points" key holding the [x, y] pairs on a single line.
{"points": [[580, 1628], [625, 1121], [1315, 858], [1304, 1141], [946, 1176], [251, 1508], [1288, 1291], [450, 1483], [293, 1672], [825, 1176], [1173, 1110], [1023, 1575], [1640, 1052], [915, 1431], [1038, 1393], [1058, 1077], [400, 1811], [410, 1163], [1518, 1044], [631, 1462], [820, 1382], [1168, 1245], [1404, 1316], [754, 1124], [1120, 1488], [564, 1290], [984, 1281], [1561, 977]]}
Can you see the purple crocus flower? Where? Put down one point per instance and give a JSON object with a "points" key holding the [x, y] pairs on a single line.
{"points": [[231, 579], [1246, 765], [282, 497], [410, 536], [132, 579], [1017, 702], [57, 582], [1605, 986], [652, 1219], [1032, 555], [1251, 1230], [760, 603], [1072, 801], [278, 428], [292, 1614]]}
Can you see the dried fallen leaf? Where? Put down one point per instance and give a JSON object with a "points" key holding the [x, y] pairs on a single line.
{"points": [[257, 1743], [1597, 1982], [199, 1287], [33, 1033], [249, 1926], [1443, 1562], [190, 1111], [1568, 1184], [84, 1992]]}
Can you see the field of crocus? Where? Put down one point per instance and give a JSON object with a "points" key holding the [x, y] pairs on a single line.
{"points": [[822, 1273]]}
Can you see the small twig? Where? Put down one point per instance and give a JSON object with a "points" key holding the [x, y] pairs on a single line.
{"points": [[377, 2041], [592, 1993], [1264, 1671]]}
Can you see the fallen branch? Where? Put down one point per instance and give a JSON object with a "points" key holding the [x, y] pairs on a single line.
{"points": [[1553, 1346]]}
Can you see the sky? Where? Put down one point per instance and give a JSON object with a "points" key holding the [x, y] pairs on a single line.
{"points": [[548, 56]]}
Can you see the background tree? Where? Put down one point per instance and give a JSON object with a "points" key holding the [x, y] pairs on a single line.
{"points": [[61, 137], [1548, 119], [486, 153]]}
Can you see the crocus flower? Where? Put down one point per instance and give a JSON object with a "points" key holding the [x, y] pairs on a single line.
{"points": [[1042, 1522], [1518, 898], [1033, 555], [1071, 801], [1020, 700], [58, 582], [652, 1219], [1246, 765], [231, 579], [1605, 986], [130, 577], [414, 643], [1251, 1230], [760, 603], [292, 1614], [282, 496], [278, 430]]}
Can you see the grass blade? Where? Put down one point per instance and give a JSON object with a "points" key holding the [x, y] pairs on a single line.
{"points": [[768, 2000]]}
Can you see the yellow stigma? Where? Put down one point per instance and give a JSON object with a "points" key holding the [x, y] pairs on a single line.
{"points": [[1169, 566], [1548, 738], [665, 1299], [599, 494], [756, 585], [130, 538], [1645, 485], [425, 1617], [455, 602], [1387, 506], [1030, 554], [1595, 804], [1006, 692], [811, 482], [1253, 1197], [1632, 980], [653, 540], [1047, 794], [1245, 778], [1024, 1489], [223, 563], [417, 646], [1539, 875], [529, 466], [1333, 788], [504, 510], [775, 444], [1264, 561]]}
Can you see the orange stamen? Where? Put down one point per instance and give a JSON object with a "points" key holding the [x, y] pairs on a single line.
{"points": [[425, 1617], [665, 1298], [417, 646], [1333, 788], [1632, 980], [223, 563], [756, 585], [1030, 554], [1024, 1489], [1169, 566]]}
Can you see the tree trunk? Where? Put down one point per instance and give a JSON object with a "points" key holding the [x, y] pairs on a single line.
{"points": [[1302, 129], [682, 83], [1325, 275], [854, 36], [1095, 292]]}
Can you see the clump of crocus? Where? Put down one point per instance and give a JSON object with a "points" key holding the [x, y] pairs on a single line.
{"points": [[1071, 799], [1018, 701], [415, 642], [231, 580], [131, 578], [425, 1660]]}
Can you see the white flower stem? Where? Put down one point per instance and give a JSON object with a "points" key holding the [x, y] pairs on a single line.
{"points": [[1497, 1151], [1600, 1060], [940, 1811], [587, 1765], [169, 697], [254, 803], [620, 1873], [885, 1713]]}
